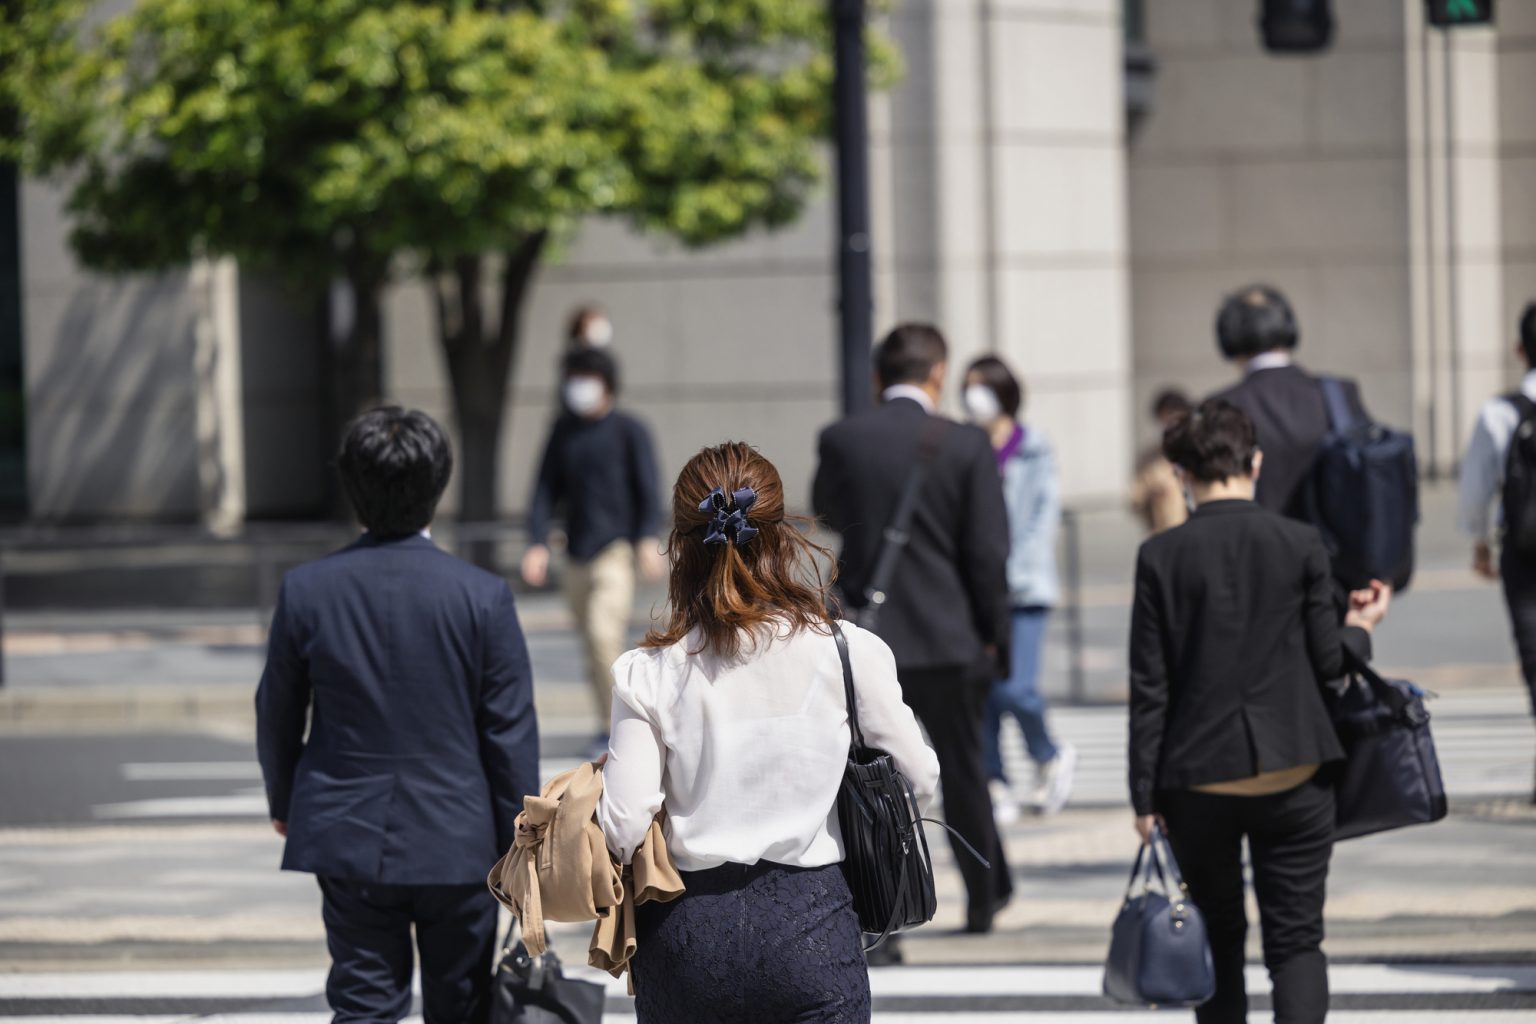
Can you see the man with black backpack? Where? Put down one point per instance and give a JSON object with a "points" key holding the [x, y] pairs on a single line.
{"points": [[1326, 462], [1500, 462]]}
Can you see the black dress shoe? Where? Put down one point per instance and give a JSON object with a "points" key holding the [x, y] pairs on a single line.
{"points": [[978, 920], [887, 954]]}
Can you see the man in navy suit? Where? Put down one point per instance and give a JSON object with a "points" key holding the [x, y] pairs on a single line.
{"points": [[410, 668]]}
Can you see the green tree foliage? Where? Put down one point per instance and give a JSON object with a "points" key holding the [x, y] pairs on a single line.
{"points": [[346, 138]]}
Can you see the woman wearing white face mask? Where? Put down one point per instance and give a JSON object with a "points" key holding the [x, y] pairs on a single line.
{"points": [[599, 473], [1032, 493], [589, 328]]}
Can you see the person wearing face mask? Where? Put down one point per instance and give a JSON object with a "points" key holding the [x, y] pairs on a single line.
{"points": [[589, 328], [1032, 494], [599, 472]]}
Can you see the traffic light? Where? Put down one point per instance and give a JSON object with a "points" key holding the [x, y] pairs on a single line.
{"points": [[1450, 13], [1296, 26]]}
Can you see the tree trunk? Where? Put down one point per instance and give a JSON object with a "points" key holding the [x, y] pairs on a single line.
{"points": [[480, 363], [356, 346]]}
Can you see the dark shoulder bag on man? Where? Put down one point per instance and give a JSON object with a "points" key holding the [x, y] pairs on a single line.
{"points": [[1364, 495], [885, 854], [1391, 775], [898, 530], [1519, 497]]}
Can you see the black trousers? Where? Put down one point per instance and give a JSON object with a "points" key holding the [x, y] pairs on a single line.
{"points": [[1520, 594], [950, 703], [368, 930], [1290, 840]]}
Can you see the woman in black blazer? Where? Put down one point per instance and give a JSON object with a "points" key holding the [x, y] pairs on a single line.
{"points": [[1234, 629]]}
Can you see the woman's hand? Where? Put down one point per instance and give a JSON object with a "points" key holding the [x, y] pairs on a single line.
{"points": [[1145, 823], [1368, 607]]}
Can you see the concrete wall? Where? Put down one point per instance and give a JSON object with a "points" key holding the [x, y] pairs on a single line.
{"points": [[110, 380], [1004, 219], [1516, 84], [733, 343], [1289, 170]]}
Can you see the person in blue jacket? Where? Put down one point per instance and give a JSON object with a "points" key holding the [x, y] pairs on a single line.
{"points": [[410, 670], [1032, 493]]}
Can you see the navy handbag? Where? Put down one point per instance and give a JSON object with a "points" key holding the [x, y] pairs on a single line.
{"points": [[1391, 776], [1159, 954]]}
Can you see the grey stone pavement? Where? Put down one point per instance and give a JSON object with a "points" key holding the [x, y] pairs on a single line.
{"points": [[132, 831]]}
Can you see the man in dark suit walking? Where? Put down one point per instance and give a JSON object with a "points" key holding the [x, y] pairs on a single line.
{"points": [[410, 668], [1256, 329], [946, 606]]}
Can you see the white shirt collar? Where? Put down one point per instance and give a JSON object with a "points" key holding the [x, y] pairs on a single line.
{"points": [[1528, 384], [911, 391], [1268, 361]]}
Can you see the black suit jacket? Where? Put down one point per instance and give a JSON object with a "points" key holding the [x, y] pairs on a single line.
{"points": [[1233, 630], [411, 667], [1287, 408], [948, 599]]}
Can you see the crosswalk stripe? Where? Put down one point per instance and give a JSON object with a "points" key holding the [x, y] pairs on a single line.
{"points": [[885, 982]]}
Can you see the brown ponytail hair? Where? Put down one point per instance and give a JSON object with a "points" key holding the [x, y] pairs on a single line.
{"points": [[728, 592]]}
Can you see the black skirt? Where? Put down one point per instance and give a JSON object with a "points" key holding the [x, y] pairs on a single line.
{"points": [[758, 944]]}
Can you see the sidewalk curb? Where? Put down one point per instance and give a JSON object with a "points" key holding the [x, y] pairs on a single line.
{"points": [[216, 703]]}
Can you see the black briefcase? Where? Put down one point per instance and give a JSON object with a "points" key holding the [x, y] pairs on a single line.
{"points": [[534, 990], [1391, 776]]}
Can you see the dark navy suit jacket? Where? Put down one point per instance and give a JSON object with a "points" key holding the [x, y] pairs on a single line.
{"points": [[411, 669]]}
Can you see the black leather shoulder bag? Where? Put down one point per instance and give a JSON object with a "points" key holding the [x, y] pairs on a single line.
{"points": [[886, 859]]}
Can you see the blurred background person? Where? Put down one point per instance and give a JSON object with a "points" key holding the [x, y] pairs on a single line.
{"points": [[1498, 470], [1234, 629], [409, 668], [732, 717], [1156, 494], [1032, 494], [588, 327], [945, 611], [1256, 331], [599, 473]]}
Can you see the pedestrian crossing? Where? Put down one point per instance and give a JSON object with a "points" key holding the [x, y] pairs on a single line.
{"points": [[1410, 993], [1486, 742]]}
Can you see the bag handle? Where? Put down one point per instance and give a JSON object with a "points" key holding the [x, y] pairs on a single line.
{"points": [[1339, 415], [898, 531], [856, 734]]}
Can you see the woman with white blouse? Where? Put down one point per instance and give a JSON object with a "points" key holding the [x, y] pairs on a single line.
{"points": [[732, 719]]}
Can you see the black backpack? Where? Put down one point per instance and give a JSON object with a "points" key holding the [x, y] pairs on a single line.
{"points": [[1364, 496], [1520, 481]]}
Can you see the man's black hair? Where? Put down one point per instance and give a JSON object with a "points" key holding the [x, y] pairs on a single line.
{"points": [[994, 373], [592, 362], [395, 464], [1216, 442], [908, 354], [1528, 333], [1255, 320]]}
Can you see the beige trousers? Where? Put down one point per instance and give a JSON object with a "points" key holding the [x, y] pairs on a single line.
{"points": [[601, 595]]}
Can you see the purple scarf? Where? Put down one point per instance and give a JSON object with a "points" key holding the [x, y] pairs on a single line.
{"points": [[1011, 448]]}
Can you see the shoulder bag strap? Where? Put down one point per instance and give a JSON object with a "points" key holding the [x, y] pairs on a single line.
{"points": [[898, 531], [856, 734], [1339, 415], [1523, 405]]}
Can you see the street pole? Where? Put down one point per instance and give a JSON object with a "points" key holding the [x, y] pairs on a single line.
{"points": [[855, 289]]}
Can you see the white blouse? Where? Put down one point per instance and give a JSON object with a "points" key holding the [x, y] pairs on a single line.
{"points": [[747, 755]]}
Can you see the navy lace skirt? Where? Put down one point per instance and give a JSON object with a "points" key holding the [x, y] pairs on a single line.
{"points": [[759, 944]]}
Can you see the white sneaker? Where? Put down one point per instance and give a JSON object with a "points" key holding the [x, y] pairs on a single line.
{"points": [[1055, 780], [1005, 806]]}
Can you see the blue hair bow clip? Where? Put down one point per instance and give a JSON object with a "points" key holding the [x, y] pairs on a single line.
{"points": [[729, 524]]}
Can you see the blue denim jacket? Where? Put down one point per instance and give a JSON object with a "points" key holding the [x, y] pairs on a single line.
{"points": [[1032, 492]]}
